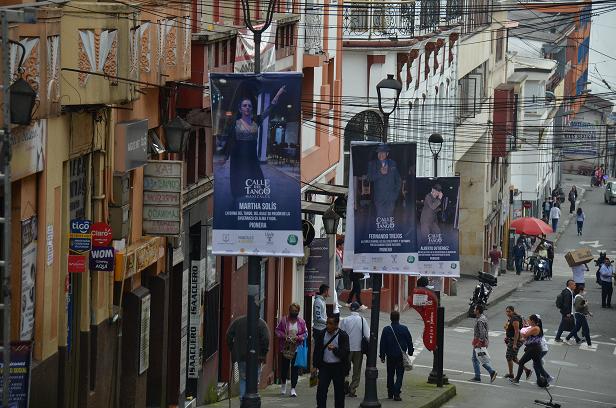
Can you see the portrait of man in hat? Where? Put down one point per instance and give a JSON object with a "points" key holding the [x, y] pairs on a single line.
{"points": [[428, 221], [384, 175]]}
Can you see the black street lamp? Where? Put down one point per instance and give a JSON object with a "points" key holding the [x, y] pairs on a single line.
{"points": [[22, 102], [330, 221], [176, 135], [435, 141], [371, 399]]}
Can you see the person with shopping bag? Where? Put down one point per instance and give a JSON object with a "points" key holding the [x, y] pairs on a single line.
{"points": [[396, 340], [291, 332], [480, 346]]}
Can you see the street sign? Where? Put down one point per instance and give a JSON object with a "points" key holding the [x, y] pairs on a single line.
{"points": [[101, 234], [425, 302], [80, 239], [76, 263], [102, 259]]}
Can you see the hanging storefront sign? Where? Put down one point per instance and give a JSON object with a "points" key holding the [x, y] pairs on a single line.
{"points": [[102, 259], [19, 389], [28, 149], [195, 317], [76, 263], [101, 234], [80, 238], [162, 204], [381, 227], [245, 50], [28, 277], [437, 226], [316, 271], [257, 178], [131, 145]]}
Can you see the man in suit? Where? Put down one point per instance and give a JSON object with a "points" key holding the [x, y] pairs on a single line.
{"points": [[331, 358], [384, 175], [565, 311], [428, 221]]}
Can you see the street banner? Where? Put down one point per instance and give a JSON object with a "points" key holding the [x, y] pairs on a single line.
{"points": [[425, 302], [256, 122], [29, 234], [316, 271], [245, 50], [437, 226], [381, 209], [19, 387]]}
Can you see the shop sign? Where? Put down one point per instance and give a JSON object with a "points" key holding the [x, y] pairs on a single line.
{"points": [[102, 259], [162, 227], [425, 302], [144, 334], [160, 198], [161, 213], [28, 152], [195, 318], [101, 234], [162, 188], [147, 254], [76, 263], [131, 145], [19, 369], [80, 238], [28, 276]]}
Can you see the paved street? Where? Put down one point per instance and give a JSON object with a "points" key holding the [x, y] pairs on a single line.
{"points": [[584, 375]]}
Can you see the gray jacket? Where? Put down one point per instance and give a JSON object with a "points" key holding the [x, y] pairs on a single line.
{"points": [[319, 313]]}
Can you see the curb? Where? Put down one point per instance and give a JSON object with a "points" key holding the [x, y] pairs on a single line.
{"points": [[441, 399]]}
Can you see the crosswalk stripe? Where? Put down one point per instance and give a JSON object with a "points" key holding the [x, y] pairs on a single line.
{"points": [[588, 348]]}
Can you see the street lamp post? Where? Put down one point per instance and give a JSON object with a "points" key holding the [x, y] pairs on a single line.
{"points": [[330, 224], [435, 141], [370, 396]]}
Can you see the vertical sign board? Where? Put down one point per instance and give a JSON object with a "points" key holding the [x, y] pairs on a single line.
{"points": [[195, 319], [437, 219], [184, 331], [19, 389], [77, 190], [257, 207], [162, 203], [28, 276], [316, 271], [144, 334], [381, 209]]}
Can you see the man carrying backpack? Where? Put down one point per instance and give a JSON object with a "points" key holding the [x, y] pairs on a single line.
{"points": [[564, 302]]}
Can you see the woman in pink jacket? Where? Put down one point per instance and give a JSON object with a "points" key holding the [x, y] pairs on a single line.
{"points": [[291, 332]]}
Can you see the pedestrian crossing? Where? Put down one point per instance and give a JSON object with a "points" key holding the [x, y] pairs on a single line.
{"points": [[609, 345]]}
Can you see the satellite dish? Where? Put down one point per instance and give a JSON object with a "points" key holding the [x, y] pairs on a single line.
{"points": [[308, 232]]}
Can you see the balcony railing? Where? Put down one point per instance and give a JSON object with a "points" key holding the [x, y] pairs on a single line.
{"points": [[378, 19], [313, 30]]}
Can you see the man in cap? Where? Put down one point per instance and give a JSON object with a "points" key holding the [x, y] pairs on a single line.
{"points": [[428, 221], [383, 173], [357, 328]]}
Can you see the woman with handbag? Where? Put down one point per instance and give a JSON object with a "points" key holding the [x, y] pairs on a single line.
{"points": [[291, 332], [396, 340], [532, 347]]}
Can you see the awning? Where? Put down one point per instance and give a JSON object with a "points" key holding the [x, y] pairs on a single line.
{"points": [[311, 207], [327, 189]]}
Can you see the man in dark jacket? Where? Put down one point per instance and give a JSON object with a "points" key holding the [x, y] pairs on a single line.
{"points": [[331, 358], [519, 253], [566, 318], [428, 220], [237, 341], [395, 340]]}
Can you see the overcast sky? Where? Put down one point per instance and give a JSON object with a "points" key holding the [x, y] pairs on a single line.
{"points": [[602, 40]]}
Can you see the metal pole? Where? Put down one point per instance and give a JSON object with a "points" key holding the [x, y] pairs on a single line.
{"points": [[5, 263], [440, 345], [435, 159], [371, 399]]}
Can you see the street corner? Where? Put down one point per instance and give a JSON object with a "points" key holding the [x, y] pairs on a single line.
{"points": [[418, 393]]}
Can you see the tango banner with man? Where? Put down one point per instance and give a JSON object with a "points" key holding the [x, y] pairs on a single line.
{"points": [[256, 123], [381, 209], [437, 226]]}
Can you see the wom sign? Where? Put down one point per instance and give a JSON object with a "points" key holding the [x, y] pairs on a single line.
{"points": [[102, 259]]}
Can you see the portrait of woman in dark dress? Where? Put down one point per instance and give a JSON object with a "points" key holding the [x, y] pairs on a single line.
{"points": [[242, 144]]}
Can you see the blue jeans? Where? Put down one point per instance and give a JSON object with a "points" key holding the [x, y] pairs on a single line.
{"points": [[477, 368], [554, 224], [580, 225], [518, 265], [241, 365], [580, 323]]}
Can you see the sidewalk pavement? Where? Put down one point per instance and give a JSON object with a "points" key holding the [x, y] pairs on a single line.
{"points": [[581, 183]]}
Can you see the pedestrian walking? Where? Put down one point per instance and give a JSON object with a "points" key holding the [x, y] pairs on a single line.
{"points": [[396, 340], [291, 332], [572, 198], [580, 305], [331, 358], [532, 346], [606, 273], [519, 254], [550, 251], [540, 370], [578, 275], [579, 219], [355, 290], [513, 340], [495, 257], [237, 341], [547, 206], [480, 346], [359, 333], [564, 302], [319, 311], [555, 215]]}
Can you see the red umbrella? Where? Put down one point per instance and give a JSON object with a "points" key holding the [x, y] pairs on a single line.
{"points": [[531, 226]]}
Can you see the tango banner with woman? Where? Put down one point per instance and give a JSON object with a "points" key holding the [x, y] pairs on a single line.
{"points": [[256, 123]]}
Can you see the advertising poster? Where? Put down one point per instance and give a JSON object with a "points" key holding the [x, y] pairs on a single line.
{"points": [[256, 122], [316, 271], [437, 226], [382, 186], [19, 387], [28, 276]]}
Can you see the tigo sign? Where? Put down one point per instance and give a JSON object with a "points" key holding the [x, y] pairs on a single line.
{"points": [[80, 239]]}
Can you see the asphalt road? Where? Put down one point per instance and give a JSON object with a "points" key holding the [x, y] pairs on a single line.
{"points": [[585, 377]]}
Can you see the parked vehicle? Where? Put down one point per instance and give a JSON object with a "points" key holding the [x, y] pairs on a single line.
{"points": [[482, 292], [609, 195], [541, 268]]}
